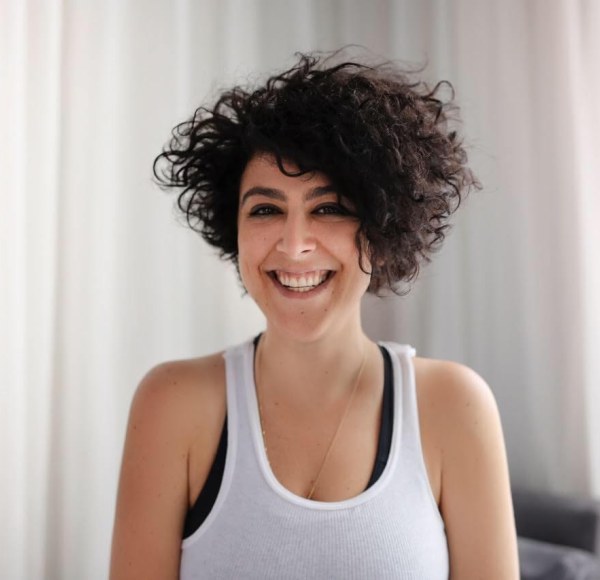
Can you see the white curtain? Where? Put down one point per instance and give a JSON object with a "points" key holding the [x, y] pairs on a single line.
{"points": [[516, 291], [98, 282]]}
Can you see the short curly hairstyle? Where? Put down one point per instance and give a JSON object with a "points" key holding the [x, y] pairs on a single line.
{"points": [[383, 139]]}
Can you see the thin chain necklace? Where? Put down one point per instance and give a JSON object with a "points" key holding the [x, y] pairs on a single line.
{"points": [[333, 439]]}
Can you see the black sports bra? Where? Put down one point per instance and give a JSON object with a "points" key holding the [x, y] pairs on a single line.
{"points": [[207, 497]]}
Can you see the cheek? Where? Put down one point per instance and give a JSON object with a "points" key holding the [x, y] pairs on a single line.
{"points": [[245, 264], [345, 247], [251, 253], [243, 257]]}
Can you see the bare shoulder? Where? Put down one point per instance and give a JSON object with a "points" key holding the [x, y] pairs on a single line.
{"points": [[181, 397], [186, 400], [175, 385], [456, 408], [175, 404], [452, 390], [445, 390], [183, 374], [461, 423]]}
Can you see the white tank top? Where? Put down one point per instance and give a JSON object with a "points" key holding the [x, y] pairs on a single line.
{"points": [[257, 529]]}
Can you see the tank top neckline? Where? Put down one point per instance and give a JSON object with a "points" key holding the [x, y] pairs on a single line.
{"points": [[263, 461]]}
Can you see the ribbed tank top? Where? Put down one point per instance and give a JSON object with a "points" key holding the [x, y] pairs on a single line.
{"points": [[257, 529]]}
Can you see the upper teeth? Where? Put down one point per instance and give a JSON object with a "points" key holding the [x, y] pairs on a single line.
{"points": [[308, 279]]}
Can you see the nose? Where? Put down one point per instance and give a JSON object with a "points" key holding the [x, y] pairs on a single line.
{"points": [[296, 237]]}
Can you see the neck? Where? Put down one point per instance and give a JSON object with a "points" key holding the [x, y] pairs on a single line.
{"points": [[312, 372]]}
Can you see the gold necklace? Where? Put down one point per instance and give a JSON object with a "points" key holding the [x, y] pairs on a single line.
{"points": [[333, 439]]}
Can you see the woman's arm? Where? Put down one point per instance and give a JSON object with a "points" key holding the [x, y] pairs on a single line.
{"points": [[475, 501], [152, 497]]}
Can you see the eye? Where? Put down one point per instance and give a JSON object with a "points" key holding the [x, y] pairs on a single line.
{"points": [[332, 209], [263, 210]]}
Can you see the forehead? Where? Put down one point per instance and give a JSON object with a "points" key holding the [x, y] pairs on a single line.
{"points": [[262, 170]]}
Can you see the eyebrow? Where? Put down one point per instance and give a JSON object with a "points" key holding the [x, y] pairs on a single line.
{"points": [[279, 195]]}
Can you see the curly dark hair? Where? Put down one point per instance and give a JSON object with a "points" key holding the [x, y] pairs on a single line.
{"points": [[383, 139]]}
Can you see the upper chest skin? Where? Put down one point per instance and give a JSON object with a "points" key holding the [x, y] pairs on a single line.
{"points": [[297, 442]]}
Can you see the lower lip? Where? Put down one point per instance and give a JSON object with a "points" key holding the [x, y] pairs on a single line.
{"points": [[301, 295]]}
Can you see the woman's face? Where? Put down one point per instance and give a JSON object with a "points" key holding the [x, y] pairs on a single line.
{"points": [[297, 252]]}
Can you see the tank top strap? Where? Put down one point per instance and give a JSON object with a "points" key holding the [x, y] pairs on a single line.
{"points": [[236, 372], [404, 350], [412, 458], [244, 428]]}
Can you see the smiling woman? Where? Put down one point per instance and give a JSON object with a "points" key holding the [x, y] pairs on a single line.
{"points": [[311, 451], [297, 252]]}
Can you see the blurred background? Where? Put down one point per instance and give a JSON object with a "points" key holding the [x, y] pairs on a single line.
{"points": [[99, 281]]}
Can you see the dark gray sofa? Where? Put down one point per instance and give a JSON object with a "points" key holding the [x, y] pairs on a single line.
{"points": [[559, 537]]}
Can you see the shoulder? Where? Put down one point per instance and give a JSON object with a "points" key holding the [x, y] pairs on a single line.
{"points": [[175, 403], [174, 375], [458, 412], [461, 420], [177, 395], [173, 379], [453, 390], [451, 397]]}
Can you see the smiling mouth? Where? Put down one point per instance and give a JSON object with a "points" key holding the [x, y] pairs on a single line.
{"points": [[301, 282]]}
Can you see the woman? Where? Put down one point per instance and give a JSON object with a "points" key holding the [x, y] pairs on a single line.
{"points": [[311, 451]]}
